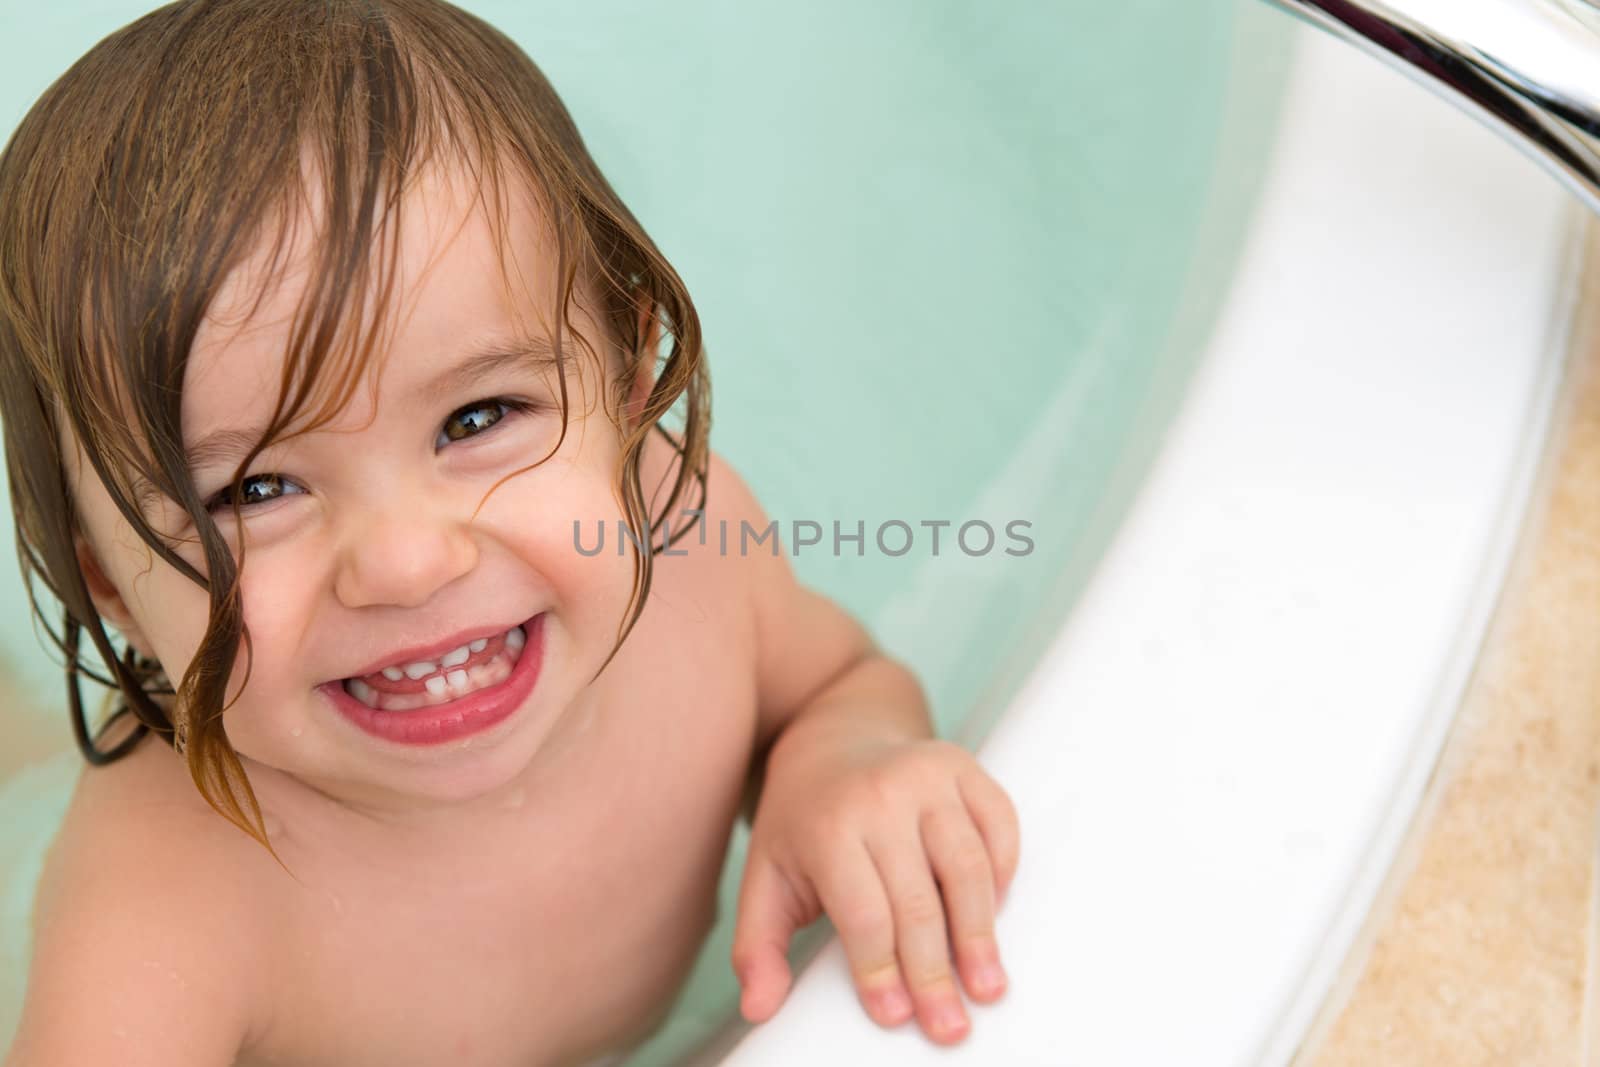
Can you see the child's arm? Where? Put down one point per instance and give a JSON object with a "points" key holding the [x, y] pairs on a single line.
{"points": [[860, 812], [140, 959]]}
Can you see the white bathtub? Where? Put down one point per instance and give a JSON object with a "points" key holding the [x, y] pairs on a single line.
{"points": [[1216, 760]]}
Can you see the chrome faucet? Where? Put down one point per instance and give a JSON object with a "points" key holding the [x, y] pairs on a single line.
{"points": [[1530, 69]]}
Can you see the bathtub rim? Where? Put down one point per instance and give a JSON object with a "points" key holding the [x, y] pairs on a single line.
{"points": [[1558, 228]]}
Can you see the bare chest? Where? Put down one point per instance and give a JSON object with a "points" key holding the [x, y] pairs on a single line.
{"points": [[572, 936]]}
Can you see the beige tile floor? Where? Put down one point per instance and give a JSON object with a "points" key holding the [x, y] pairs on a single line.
{"points": [[1480, 948]]}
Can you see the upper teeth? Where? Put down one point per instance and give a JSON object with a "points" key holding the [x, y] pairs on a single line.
{"points": [[454, 658]]}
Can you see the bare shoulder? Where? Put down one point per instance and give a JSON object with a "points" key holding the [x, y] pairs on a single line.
{"points": [[803, 640], [727, 496], [722, 545], [146, 901]]}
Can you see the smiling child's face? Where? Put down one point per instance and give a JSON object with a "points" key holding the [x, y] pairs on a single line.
{"points": [[363, 549]]}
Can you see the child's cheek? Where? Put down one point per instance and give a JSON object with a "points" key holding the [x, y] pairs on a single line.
{"points": [[550, 520], [172, 613]]}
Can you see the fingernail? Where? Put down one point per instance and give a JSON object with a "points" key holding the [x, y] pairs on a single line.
{"points": [[895, 1004], [950, 1019], [990, 978]]}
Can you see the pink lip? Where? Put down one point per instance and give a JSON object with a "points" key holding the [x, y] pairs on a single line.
{"points": [[456, 718]]}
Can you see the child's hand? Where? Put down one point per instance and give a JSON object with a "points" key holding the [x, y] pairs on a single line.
{"points": [[894, 840]]}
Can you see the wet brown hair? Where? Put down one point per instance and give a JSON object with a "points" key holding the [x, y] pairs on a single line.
{"points": [[155, 165]]}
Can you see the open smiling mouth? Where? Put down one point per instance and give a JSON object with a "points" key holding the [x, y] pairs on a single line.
{"points": [[482, 664], [465, 690]]}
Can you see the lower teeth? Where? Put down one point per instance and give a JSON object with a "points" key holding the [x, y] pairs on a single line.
{"points": [[453, 684]]}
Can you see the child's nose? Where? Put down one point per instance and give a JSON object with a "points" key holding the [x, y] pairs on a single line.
{"points": [[401, 559]]}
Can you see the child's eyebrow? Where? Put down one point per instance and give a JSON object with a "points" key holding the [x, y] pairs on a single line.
{"points": [[487, 359], [484, 360]]}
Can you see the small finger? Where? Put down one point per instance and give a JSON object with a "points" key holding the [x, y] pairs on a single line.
{"points": [[996, 818], [854, 897], [761, 936], [960, 862], [921, 938]]}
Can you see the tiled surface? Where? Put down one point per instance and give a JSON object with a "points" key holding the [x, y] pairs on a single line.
{"points": [[1477, 952]]}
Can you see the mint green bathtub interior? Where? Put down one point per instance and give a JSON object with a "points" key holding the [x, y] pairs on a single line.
{"points": [[955, 260]]}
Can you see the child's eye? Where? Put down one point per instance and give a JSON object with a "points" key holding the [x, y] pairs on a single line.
{"points": [[477, 417], [254, 489], [470, 421]]}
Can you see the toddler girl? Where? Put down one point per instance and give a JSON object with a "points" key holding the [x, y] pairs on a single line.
{"points": [[321, 338]]}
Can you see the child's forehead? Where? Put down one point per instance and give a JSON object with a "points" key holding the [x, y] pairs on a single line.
{"points": [[448, 237], [473, 265]]}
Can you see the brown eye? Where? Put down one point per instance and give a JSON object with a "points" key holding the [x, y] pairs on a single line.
{"points": [[254, 489], [478, 417]]}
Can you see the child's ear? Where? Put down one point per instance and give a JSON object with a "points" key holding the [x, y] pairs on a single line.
{"points": [[644, 379], [107, 601], [644, 376]]}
